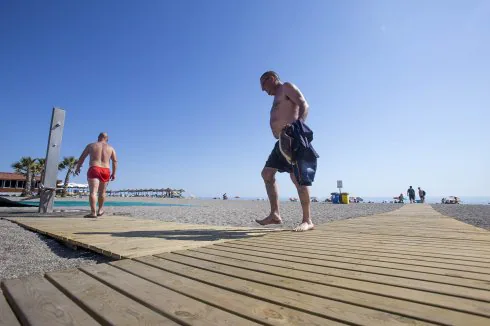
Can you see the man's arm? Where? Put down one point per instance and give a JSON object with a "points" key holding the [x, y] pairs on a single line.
{"points": [[295, 95], [82, 158], [114, 164]]}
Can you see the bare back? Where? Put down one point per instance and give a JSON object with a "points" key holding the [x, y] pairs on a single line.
{"points": [[100, 154], [284, 110]]}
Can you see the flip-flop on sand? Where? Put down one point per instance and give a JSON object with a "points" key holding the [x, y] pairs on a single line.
{"points": [[90, 216], [100, 214]]}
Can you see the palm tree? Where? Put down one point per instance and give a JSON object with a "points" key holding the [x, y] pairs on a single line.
{"points": [[69, 163], [25, 166], [40, 168], [41, 165]]}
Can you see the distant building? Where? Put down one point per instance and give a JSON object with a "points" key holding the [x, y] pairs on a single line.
{"points": [[13, 183]]}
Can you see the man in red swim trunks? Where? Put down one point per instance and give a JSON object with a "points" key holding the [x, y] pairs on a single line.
{"points": [[98, 174]]}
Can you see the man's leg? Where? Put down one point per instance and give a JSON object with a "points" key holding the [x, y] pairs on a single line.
{"points": [[93, 185], [304, 197], [269, 176], [102, 187]]}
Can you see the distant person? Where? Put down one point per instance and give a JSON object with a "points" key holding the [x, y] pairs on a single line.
{"points": [[401, 199], [99, 173], [422, 195], [411, 194], [225, 196], [289, 106]]}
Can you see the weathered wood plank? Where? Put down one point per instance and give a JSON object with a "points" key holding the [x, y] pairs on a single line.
{"points": [[184, 309], [7, 316], [483, 238], [337, 310], [120, 237], [104, 303], [436, 287], [35, 301], [145, 288], [407, 235], [448, 279], [210, 271], [316, 236], [393, 245], [316, 259], [350, 252], [360, 247], [288, 247], [424, 297], [424, 223]]}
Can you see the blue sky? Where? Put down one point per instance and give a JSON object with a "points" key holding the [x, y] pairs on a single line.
{"points": [[398, 90]]}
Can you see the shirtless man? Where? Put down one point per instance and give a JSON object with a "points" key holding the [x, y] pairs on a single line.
{"points": [[98, 174], [289, 105]]}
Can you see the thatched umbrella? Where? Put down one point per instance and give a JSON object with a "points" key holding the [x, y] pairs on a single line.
{"points": [[179, 192]]}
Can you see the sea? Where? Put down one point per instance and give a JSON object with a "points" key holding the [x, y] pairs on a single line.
{"points": [[471, 200]]}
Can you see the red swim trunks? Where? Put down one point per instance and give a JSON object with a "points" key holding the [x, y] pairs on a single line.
{"points": [[96, 172]]}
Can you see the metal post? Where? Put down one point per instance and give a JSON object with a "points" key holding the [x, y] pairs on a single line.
{"points": [[48, 186]]}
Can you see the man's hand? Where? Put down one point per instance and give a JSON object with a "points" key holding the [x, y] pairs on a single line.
{"points": [[113, 177], [77, 170]]}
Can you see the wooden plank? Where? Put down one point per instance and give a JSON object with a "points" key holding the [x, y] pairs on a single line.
{"points": [[122, 237], [322, 237], [430, 241], [361, 242], [447, 279], [313, 253], [439, 233], [403, 229], [171, 303], [456, 253], [336, 310], [382, 249], [201, 269], [327, 249], [451, 223], [426, 224], [412, 232], [7, 316], [104, 303], [423, 297], [315, 259], [144, 288], [35, 301], [484, 239], [454, 290]]}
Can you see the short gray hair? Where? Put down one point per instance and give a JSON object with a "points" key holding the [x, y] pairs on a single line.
{"points": [[270, 73]]}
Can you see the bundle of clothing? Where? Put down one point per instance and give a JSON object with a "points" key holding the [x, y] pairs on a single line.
{"points": [[295, 145]]}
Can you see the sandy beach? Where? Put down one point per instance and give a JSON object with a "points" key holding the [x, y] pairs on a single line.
{"points": [[25, 253]]}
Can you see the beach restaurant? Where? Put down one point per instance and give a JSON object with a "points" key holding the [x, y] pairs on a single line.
{"points": [[14, 183]]}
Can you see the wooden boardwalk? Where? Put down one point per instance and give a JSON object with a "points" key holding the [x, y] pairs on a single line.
{"points": [[126, 237], [408, 267]]}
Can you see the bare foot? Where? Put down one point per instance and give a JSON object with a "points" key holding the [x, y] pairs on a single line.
{"points": [[305, 226], [100, 213], [271, 219]]}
